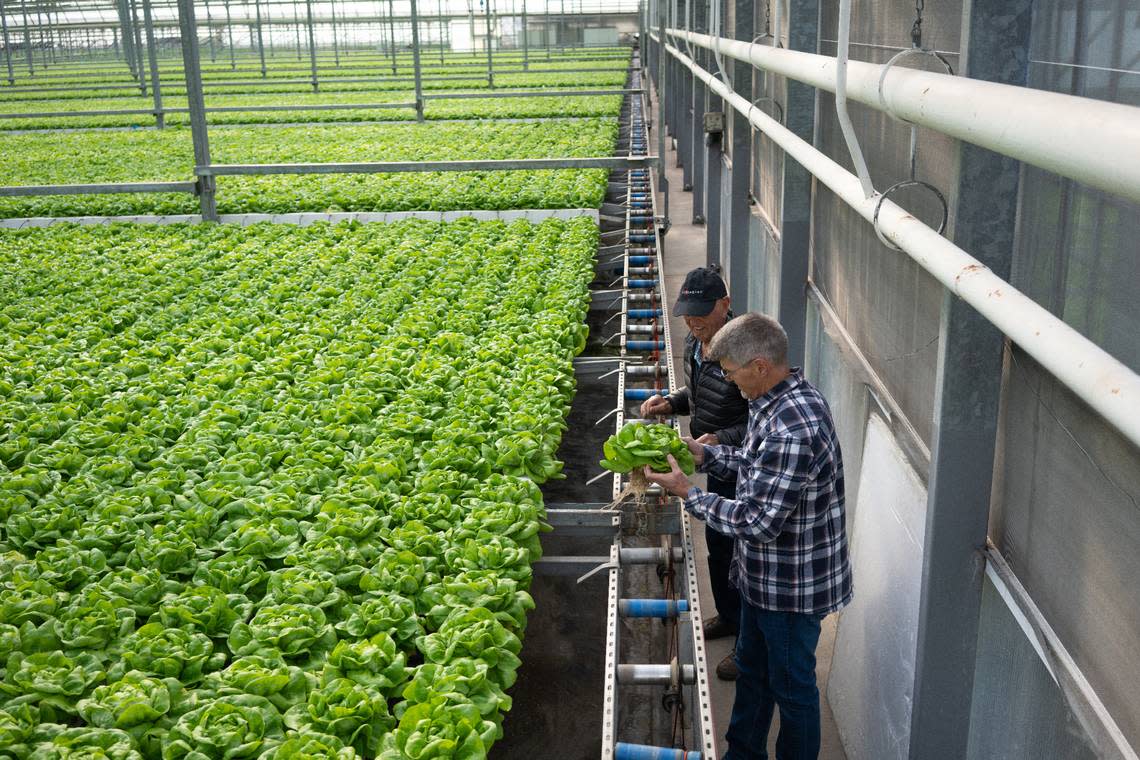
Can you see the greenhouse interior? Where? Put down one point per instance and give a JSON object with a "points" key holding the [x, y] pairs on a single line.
{"points": [[659, 379]]}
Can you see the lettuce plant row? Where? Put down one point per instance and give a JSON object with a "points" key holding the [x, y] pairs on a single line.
{"points": [[290, 68], [272, 492], [470, 108], [168, 155], [298, 85]]}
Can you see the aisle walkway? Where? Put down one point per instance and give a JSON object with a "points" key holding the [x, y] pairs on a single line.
{"points": [[684, 250]]}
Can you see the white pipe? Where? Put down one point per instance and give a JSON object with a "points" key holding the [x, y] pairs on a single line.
{"points": [[1091, 141], [845, 124], [1094, 375]]}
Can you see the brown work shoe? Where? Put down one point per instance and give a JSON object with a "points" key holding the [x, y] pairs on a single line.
{"points": [[726, 669], [715, 628]]}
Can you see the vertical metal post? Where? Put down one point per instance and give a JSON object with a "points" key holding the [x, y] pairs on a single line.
{"points": [[416, 63], [136, 36], [526, 41], [312, 44], [27, 38], [152, 56], [392, 33], [439, 10], [191, 63], [546, 25], [336, 48], [296, 24], [714, 161], [230, 36], [260, 38], [699, 104], [490, 56], [7, 44], [210, 31], [795, 216], [662, 180], [740, 182], [966, 401]]}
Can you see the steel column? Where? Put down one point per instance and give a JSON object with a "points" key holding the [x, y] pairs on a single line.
{"points": [[7, 44], [740, 183], [196, 102], [699, 100], [152, 56], [526, 42], [260, 39], [336, 48], [312, 44], [795, 216], [230, 36], [662, 180], [392, 33], [416, 73], [966, 401], [490, 55], [136, 39], [210, 31]]}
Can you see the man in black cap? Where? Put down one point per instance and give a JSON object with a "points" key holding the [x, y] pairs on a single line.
{"points": [[719, 416]]}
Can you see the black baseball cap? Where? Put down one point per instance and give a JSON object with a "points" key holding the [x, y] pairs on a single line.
{"points": [[703, 287]]}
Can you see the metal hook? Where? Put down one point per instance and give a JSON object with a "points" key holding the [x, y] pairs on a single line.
{"points": [[608, 414], [898, 186], [895, 59], [611, 565]]}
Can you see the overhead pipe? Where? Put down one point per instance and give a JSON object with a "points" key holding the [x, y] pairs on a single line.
{"points": [[1080, 138], [1094, 375]]}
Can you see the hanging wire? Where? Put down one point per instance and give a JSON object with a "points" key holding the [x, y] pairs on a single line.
{"points": [[916, 28]]}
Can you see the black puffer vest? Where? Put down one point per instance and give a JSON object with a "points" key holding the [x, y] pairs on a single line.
{"points": [[714, 402]]}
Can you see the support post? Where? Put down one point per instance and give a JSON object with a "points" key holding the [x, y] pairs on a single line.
{"points": [[698, 100], [230, 36], [966, 402], [136, 38], [260, 38], [197, 105], [296, 23], [795, 216], [416, 74], [526, 41], [312, 44], [490, 55], [7, 44], [210, 32], [740, 183], [123, 8], [336, 47], [714, 160], [152, 56], [392, 33], [442, 33], [662, 180]]}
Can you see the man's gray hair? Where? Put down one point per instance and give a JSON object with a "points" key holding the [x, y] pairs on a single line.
{"points": [[750, 336]]}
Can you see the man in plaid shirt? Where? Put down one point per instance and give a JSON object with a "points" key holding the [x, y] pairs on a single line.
{"points": [[791, 561]]}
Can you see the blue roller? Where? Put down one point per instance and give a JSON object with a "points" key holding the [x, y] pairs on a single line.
{"points": [[643, 313], [640, 394], [640, 260], [636, 238], [652, 608], [643, 283], [624, 751], [645, 345]]}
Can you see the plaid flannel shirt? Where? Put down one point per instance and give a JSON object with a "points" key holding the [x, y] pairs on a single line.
{"points": [[788, 515]]}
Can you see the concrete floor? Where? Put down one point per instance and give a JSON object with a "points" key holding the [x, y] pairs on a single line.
{"points": [[685, 250]]}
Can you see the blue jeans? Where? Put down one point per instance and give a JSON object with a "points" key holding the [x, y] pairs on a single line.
{"points": [[775, 652]]}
